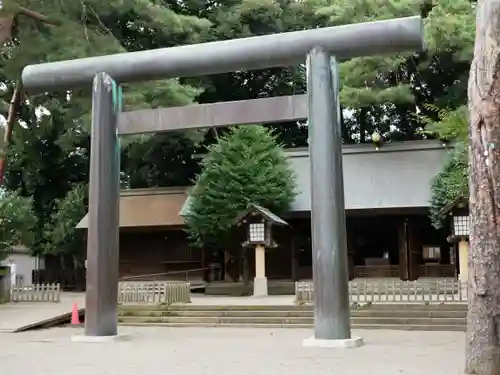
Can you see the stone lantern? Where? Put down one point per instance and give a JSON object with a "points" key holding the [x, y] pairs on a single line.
{"points": [[259, 222], [460, 226]]}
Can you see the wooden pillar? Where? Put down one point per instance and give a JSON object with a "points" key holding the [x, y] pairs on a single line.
{"points": [[204, 271], [260, 261], [293, 249], [350, 253], [227, 264], [403, 249], [414, 250], [260, 280], [463, 256]]}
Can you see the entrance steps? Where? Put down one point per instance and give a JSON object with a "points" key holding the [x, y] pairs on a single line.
{"points": [[444, 317]]}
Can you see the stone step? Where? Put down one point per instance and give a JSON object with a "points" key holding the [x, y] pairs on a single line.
{"points": [[291, 320], [400, 327], [145, 312], [448, 306], [374, 306], [191, 307]]}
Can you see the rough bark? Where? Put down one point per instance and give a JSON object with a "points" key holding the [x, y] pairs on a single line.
{"points": [[37, 16], [8, 22], [11, 120], [7, 26], [483, 320]]}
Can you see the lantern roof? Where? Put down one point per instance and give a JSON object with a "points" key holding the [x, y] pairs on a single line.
{"points": [[460, 203], [253, 209]]}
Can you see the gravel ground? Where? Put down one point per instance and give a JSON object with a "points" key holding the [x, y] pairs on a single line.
{"points": [[229, 351]]}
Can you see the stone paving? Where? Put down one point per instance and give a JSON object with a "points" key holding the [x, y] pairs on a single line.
{"points": [[20, 314], [229, 351], [202, 299]]}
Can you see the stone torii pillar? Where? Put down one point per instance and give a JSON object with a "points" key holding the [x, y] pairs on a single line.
{"points": [[332, 325]]}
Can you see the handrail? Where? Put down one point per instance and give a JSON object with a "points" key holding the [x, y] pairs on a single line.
{"points": [[169, 273]]}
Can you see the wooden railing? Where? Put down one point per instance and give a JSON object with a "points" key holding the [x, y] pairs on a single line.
{"points": [[424, 270], [165, 293], [437, 270], [393, 291], [181, 275], [376, 271], [73, 279], [36, 293]]}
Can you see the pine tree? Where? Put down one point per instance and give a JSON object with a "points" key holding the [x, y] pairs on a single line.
{"points": [[384, 92], [17, 221], [452, 182], [245, 18], [49, 153], [60, 233], [246, 166]]}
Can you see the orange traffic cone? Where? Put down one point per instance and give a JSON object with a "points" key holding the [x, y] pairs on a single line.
{"points": [[75, 316]]}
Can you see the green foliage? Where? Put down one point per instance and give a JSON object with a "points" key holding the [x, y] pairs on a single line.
{"points": [[101, 28], [44, 163], [246, 166], [385, 91], [447, 124], [382, 92], [166, 159], [246, 18], [49, 153], [449, 184], [449, 26], [60, 233], [17, 221], [452, 182]]}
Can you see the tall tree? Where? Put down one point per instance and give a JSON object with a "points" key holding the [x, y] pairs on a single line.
{"points": [[49, 153], [247, 166], [62, 236], [452, 181], [233, 19], [384, 92], [11, 15], [162, 164], [50, 36], [167, 159], [17, 221], [483, 333]]}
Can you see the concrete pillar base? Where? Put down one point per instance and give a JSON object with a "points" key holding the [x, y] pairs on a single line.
{"points": [[313, 342], [100, 339], [260, 286]]}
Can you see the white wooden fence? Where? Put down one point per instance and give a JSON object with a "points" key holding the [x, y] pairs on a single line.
{"points": [[154, 292], [36, 293], [393, 291]]}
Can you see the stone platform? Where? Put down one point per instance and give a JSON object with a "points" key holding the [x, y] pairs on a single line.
{"points": [[19, 316], [229, 351]]}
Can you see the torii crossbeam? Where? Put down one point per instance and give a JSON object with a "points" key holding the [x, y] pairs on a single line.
{"points": [[323, 47]]}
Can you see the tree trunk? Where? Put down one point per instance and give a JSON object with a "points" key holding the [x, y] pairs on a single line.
{"points": [[36, 16], [483, 320], [11, 120]]}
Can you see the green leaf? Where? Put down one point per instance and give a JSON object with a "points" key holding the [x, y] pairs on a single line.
{"points": [[245, 166], [17, 221]]}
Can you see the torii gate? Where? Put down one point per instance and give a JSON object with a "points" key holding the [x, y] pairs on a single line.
{"points": [[323, 47]]}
